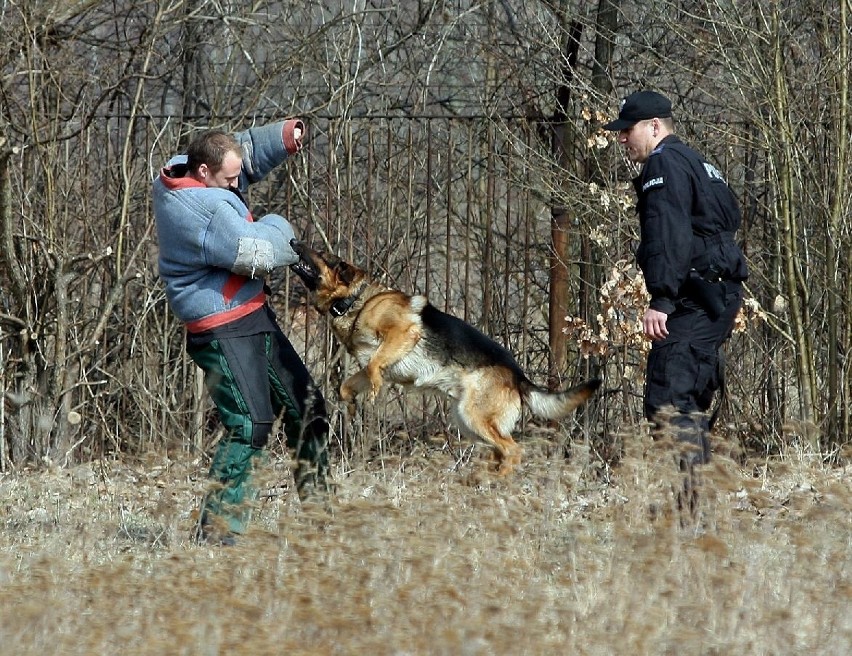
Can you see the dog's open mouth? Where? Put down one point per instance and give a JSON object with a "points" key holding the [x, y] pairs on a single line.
{"points": [[306, 271]]}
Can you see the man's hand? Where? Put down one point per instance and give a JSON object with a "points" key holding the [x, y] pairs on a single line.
{"points": [[654, 324]]}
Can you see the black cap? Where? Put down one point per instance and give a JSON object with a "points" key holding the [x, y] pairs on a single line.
{"points": [[639, 106]]}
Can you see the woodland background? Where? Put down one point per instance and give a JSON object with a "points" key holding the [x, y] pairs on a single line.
{"points": [[454, 148]]}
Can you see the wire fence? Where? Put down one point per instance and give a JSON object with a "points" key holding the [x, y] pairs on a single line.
{"points": [[458, 209]]}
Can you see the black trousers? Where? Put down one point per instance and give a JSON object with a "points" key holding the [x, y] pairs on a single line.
{"points": [[684, 371]]}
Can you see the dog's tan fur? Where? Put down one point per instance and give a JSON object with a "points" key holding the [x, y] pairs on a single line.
{"points": [[403, 339]]}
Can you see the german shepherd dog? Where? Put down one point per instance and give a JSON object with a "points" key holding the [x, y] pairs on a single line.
{"points": [[404, 339]]}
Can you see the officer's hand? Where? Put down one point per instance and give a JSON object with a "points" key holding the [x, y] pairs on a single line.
{"points": [[654, 324]]}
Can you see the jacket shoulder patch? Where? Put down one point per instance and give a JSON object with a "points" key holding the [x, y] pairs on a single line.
{"points": [[713, 173], [653, 183]]}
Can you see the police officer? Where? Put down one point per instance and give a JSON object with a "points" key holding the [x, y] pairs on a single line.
{"points": [[692, 265]]}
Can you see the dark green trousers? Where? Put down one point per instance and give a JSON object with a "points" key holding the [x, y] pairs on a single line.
{"points": [[253, 380]]}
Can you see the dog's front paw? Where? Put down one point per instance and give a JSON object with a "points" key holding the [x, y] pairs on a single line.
{"points": [[375, 383], [351, 409], [374, 391], [347, 393], [353, 386]]}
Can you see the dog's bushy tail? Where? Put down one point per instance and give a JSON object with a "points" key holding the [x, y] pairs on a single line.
{"points": [[556, 405]]}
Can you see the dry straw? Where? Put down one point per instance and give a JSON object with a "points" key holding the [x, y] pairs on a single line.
{"points": [[425, 554]]}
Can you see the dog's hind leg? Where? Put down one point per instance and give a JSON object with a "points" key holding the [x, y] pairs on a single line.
{"points": [[488, 409]]}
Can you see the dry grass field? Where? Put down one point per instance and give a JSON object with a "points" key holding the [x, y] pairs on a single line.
{"points": [[424, 554]]}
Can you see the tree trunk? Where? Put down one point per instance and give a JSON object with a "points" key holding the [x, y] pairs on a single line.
{"points": [[560, 241], [787, 210], [834, 234]]}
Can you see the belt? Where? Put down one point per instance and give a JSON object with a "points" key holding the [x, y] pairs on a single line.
{"points": [[719, 237]]}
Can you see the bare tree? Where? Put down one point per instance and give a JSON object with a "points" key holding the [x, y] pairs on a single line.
{"points": [[453, 147]]}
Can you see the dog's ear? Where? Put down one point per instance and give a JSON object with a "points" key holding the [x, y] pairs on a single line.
{"points": [[331, 260], [346, 272]]}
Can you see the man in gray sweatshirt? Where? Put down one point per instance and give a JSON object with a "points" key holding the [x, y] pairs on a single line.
{"points": [[214, 256]]}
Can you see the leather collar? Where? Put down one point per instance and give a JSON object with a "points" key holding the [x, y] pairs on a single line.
{"points": [[342, 305]]}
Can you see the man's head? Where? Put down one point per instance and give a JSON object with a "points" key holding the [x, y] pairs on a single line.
{"points": [[215, 159], [644, 120]]}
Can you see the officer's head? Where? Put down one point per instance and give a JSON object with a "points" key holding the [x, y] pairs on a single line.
{"points": [[215, 159], [645, 119]]}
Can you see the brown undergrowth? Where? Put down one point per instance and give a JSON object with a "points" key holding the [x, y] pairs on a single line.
{"points": [[424, 556]]}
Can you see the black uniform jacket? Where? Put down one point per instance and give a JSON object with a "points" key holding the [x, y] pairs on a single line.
{"points": [[688, 216]]}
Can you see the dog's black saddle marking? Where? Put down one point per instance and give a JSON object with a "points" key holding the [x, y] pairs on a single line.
{"points": [[449, 339]]}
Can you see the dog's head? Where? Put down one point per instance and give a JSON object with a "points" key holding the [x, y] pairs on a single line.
{"points": [[329, 279]]}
